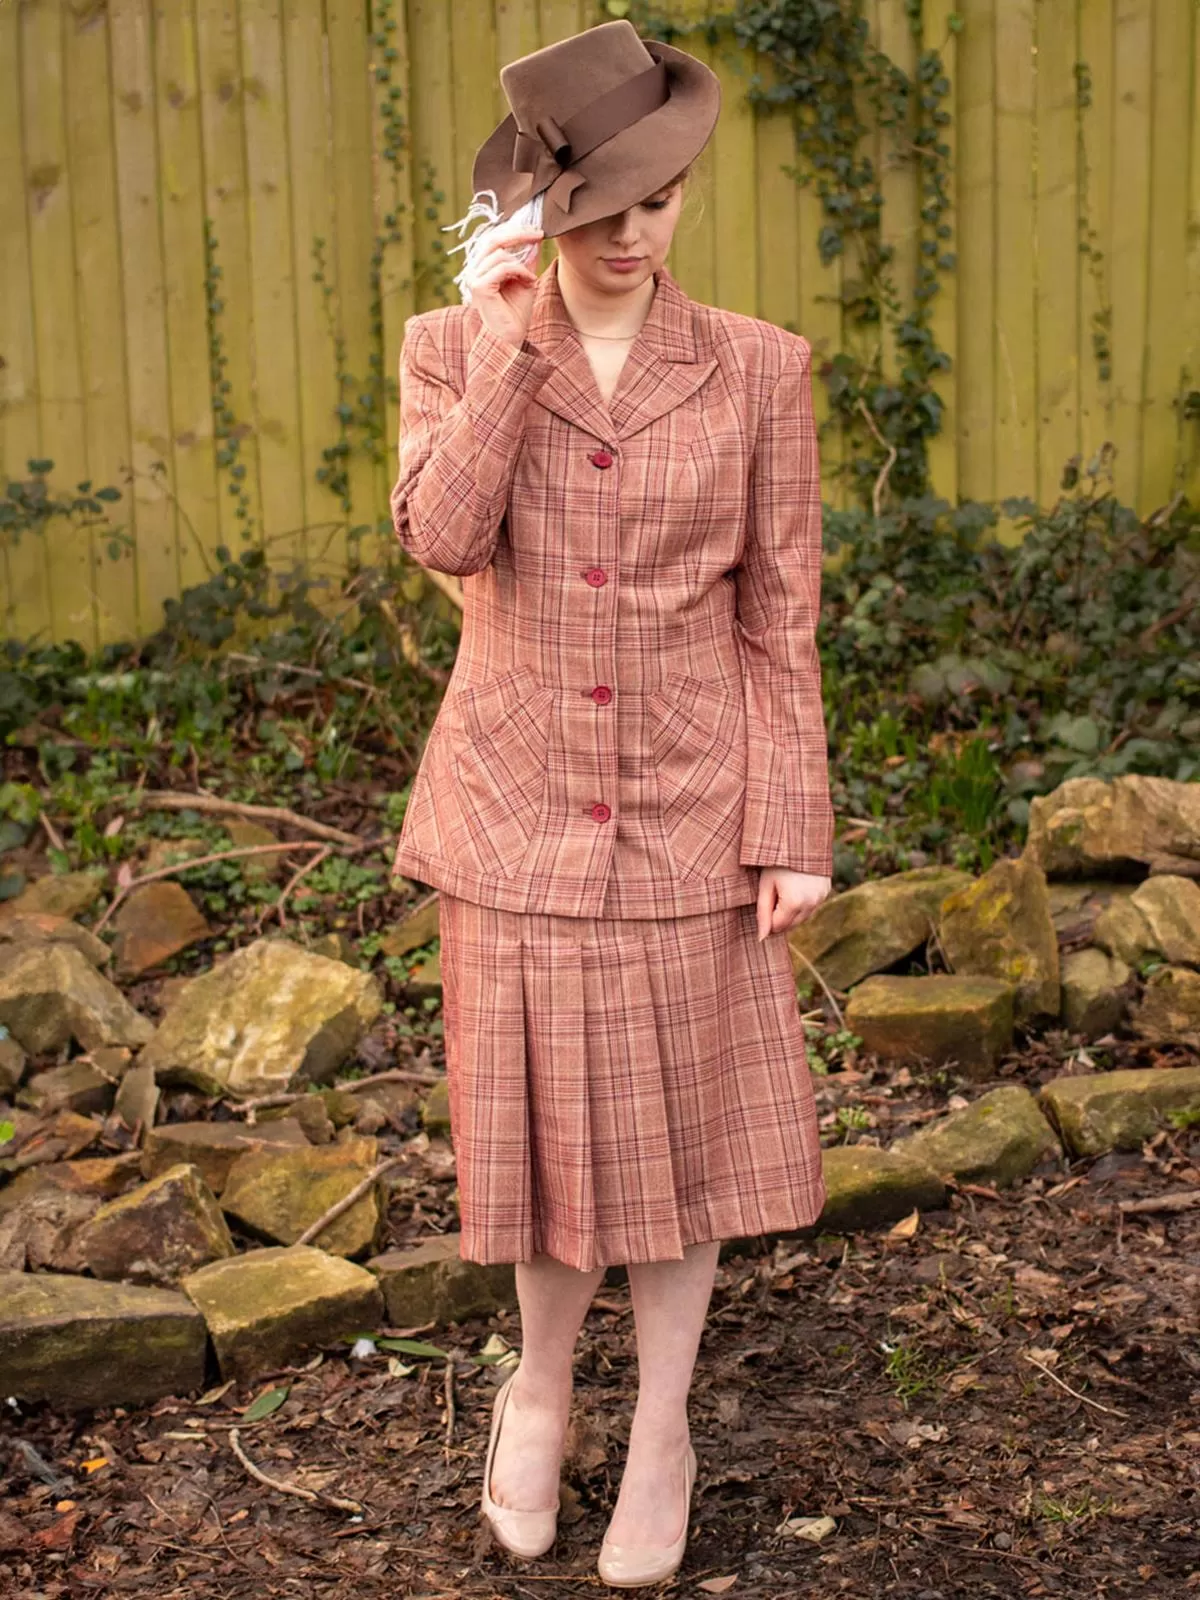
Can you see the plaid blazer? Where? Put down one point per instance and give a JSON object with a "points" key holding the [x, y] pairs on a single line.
{"points": [[634, 723]]}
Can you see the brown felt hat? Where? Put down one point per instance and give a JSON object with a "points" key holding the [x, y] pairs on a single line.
{"points": [[599, 121]]}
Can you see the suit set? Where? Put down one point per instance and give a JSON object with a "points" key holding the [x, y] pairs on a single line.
{"points": [[633, 728]]}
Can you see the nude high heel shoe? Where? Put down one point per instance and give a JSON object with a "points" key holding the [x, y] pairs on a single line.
{"points": [[628, 1566], [525, 1533]]}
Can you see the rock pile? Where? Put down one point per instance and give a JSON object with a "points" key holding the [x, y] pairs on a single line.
{"points": [[121, 1275]]}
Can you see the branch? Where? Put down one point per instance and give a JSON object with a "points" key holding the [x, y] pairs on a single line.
{"points": [[347, 1200], [313, 1496], [880, 488], [168, 800]]}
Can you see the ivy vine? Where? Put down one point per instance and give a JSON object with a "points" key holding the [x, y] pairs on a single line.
{"points": [[839, 88]]}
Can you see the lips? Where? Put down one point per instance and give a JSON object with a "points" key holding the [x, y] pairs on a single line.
{"points": [[622, 261]]}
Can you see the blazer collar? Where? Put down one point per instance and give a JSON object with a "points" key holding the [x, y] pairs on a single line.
{"points": [[666, 363]]}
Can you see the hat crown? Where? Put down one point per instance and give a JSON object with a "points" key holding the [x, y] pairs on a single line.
{"points": [[562, 78]]}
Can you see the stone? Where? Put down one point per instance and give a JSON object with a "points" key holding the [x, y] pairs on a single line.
{"points": [[269, 1308], [266, 1018], [137, 1098], [424, 981], [1000, 926], [39, 1232], [871, 926], [997, 1139], [309, 1111], [1101, 1111], [213, 1147], [41, 927], [75, 1086], [419, 928], [50, 994], [153, 924], [341, 1105], [78, 1343], [101, 1178], [1121, 930], [1169, 1010], [430, 1282], [157, 1233], [245, 835], [1095, 991], [866, 1187], [435, 1109], [1171, 908], [61, 894], [944, 1019], [1075, 903], [277, 1194], [336, 947], [59, 1137], [1089, 826], [13, 1062]]}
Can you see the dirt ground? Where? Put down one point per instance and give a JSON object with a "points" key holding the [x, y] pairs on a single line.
{"points": [[998, 1399]]}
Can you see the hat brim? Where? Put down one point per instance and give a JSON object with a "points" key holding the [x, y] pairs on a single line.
{"points": [[624, 169]]}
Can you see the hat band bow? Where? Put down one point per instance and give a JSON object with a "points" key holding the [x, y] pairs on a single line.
{"points": [[550, 152]]}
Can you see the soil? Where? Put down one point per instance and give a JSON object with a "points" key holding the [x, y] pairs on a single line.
{"points": [[996, 1399]]}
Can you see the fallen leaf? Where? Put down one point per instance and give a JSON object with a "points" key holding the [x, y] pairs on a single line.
{"points": [[94, 1464], [269, 1400], [906, 1227], [812, 1528], [718, 1585]]}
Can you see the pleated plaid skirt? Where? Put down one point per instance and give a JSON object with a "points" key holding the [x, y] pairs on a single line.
{"points": [[623, 1087]]}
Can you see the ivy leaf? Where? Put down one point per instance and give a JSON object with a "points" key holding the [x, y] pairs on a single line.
{"points": [[414, 1347]]}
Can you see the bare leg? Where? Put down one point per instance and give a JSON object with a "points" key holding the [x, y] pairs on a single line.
{"points": [[554, 1300], [670, 1302]]}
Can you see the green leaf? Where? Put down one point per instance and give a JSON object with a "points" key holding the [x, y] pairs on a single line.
{"points": [[414, 1347], [270, 1400]]}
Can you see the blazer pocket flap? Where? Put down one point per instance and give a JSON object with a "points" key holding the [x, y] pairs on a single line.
{"points": [[693, 715], [515, 697]]}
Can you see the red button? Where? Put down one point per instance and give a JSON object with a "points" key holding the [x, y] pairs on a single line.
{"points": [[601, 458], [600, 812], [601, 694], [596, 576]]}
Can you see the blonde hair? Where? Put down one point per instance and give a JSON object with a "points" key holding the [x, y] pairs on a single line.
{"points": [[484, 211]]}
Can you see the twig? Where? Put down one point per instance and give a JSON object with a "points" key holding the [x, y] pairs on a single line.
{"points": [[168, 800], [837, 1010], [200, 861], [301, 872], [347, 1200], [313, 1496], [1179, 1201], [448, 1388], [393, 1075], [1111, 1410], [880, 488], [52, 833]]}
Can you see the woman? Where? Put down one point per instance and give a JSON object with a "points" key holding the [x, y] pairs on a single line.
{"points": [[624, 798]]}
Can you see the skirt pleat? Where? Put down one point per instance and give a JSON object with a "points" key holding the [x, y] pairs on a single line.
{"points": [[623, 1087]]}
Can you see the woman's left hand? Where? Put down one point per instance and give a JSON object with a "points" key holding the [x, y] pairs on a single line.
{"points": [[786, 897]]}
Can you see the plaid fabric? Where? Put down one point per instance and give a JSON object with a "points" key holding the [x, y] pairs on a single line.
{"points": [[634, 723], [620, 1088]]}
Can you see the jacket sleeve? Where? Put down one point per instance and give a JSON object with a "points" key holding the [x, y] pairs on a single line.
{"points": [[788, 814], [457, 451]]}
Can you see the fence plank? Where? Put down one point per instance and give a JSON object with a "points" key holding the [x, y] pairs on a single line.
{"points": [[354, 233], [1133, 66], [435, 168], [25, 572], [1163, 436], [181, 209], [55, 323], [1190, 429], [1016, 368], [943, 319], [311, 237], [976, 197], [394, 206], [239, 513], [156, 514], [1094, 124], [1056, 331]]}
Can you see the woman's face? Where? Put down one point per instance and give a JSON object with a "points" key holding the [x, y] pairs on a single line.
{"points": [[616, 253]]}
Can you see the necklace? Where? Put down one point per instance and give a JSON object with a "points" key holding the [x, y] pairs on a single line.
{"points": [[618, 337]]}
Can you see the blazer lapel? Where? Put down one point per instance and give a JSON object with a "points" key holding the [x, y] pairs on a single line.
{"points": [[664, 366]]}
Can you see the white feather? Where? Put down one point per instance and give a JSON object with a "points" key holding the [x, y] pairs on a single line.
{"points": [[484, 211]]}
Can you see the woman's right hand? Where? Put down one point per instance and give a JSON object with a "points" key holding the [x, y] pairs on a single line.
{"points": [[503, 282]]}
